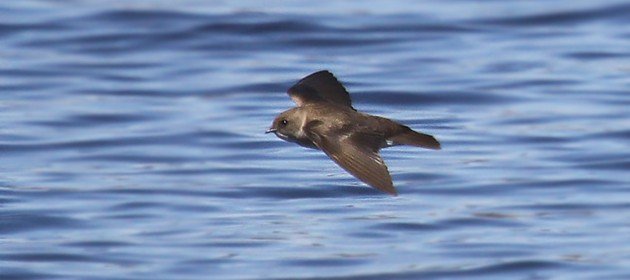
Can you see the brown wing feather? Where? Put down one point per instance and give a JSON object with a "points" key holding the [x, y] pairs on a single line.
{"points": [[360, 158], [302, 94], [321, 85]]}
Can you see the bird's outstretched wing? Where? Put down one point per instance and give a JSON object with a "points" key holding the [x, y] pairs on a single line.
{"points": [[320, 86], [357, 154]]}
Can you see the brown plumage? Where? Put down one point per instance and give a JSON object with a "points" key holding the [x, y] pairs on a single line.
{"points": [[326, 120]]}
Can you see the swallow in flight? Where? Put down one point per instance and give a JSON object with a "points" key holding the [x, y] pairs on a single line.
{"points": [[324, 119]]}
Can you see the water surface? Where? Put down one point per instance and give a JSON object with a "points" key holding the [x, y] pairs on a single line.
{"points": [[132, 144]]}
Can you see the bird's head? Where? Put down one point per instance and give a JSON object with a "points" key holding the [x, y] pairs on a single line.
{"points": [[287, 125]]}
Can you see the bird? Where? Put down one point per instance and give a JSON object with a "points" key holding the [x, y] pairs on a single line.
{"points": [[324, 119]]}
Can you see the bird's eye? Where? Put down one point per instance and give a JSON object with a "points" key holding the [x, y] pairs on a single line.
{"points": [[284, 122]]}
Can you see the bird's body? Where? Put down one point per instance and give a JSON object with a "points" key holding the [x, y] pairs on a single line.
{"points": [[326, 120], [344, 122]]}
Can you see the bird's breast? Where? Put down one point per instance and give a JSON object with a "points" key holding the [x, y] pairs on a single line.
{"points": [[306, 142]]}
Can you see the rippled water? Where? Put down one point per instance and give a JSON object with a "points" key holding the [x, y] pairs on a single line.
{"points": [[132, 144]]}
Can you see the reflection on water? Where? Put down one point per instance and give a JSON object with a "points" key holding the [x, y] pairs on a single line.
{"points": [[132, 144]]}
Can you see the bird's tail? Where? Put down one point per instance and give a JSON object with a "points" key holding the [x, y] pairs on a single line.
{"points": [[413, 138]]}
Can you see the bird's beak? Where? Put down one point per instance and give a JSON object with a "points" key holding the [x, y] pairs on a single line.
{"points": [[270, 130]]}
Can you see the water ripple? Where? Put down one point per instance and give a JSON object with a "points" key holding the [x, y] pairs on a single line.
{"points": [[19, 221], [616, 13]]}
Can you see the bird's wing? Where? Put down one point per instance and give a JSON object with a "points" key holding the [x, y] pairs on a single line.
{"points": [[321, 85], [357, 154]]}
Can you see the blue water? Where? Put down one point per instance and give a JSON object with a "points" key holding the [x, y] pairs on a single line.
{"points": [[132, 140]]}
